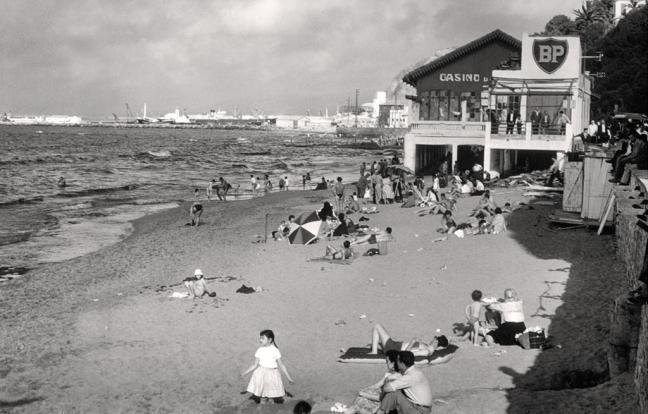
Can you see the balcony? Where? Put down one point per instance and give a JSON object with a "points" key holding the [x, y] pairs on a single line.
{"points": [[449, 129]]}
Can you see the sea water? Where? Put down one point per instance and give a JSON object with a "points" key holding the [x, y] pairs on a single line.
{"points": [[115, 175]]}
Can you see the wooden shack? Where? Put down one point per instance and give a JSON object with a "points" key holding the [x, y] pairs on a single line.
{"points": [[573, 187], [596, 187]]}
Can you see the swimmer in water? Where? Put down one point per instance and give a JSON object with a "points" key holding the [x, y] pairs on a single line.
{"points": [[61, 182]]}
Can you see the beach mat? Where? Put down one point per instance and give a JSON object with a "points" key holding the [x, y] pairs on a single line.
{"points": [[360, 355]]}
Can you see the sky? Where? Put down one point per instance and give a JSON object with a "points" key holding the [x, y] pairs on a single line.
{"points": [[91, 58]]}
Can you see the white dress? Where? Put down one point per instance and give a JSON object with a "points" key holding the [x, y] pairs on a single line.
{"points": [[266, 378]]}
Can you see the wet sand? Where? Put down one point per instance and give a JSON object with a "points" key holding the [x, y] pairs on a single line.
{"points": [[99, 333]]}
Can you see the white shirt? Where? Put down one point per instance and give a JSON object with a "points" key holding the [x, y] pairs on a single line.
{"points": [[510, 311], [592, 129], [268, 356]]}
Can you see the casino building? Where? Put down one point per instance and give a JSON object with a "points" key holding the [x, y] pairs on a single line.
{"points": [[482, 102]]}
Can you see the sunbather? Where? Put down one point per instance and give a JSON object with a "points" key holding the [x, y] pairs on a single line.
{"points": [[380, 339], [344, 253]]}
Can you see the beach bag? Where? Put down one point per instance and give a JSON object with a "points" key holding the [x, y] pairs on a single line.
{"points": [[532, 340]]}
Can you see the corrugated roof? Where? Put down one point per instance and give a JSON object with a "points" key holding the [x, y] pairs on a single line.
{"points": [[496, 34]]}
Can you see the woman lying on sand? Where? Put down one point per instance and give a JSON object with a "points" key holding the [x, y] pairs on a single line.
{"points": [[380, 339]]}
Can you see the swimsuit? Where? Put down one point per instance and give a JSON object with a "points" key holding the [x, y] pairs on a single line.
{"points": [[392, 345]]}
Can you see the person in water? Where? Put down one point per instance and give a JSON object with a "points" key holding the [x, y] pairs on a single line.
{"points": [[61, 182]]}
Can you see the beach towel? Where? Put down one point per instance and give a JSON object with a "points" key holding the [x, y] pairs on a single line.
{"points": [[360, 355]]}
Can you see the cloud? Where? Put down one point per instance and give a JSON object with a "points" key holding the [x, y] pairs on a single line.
{"points": [[90, 57]]}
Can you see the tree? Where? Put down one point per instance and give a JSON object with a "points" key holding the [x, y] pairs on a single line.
{"points": [[588, 15], [625, 63], [560, 25]]}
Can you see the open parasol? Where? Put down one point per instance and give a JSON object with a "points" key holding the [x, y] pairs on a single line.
{"points": [[305, 228]]}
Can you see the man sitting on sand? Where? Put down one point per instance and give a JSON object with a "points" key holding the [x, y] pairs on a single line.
{"points": [[196, 285], [411, 393], [380, 339]]}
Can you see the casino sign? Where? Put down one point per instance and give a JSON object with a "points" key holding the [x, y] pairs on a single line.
{"points": [[462, 77]]}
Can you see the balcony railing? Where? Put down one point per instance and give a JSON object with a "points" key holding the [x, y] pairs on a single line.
{"points": [[497, 131], [449, 128]]}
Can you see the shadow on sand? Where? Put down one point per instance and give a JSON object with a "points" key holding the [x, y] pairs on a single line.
{"points": [[576, 354]]}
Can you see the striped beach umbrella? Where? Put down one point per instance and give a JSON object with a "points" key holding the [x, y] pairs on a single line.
{"points": [[305, 228]]}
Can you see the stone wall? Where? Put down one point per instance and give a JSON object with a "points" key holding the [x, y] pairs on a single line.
{"points": [[641, 369], [631, 250]]}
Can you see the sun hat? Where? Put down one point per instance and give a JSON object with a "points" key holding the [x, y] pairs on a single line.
{"points": [[198, 272]]}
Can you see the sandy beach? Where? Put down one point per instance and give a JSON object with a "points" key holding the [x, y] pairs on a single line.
{"points": [[100, 334]]}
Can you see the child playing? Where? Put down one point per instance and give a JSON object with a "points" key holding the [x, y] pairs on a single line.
{"points": [[448, 224], [266, 379], [472, 314]]}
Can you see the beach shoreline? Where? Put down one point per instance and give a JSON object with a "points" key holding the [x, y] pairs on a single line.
{"points": [[100, 333]]}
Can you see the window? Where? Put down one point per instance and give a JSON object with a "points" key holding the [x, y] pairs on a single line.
{"points": [[434, 105], [424, 111], [443, 105]]}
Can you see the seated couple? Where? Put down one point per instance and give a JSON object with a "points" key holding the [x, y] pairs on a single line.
{"points": [[284, 229], [380, 339], [404, 388], [380, 238], [486, 206], [344, 253]]}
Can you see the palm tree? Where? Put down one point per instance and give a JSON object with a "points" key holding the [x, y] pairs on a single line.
{"points": [[588, 14]]}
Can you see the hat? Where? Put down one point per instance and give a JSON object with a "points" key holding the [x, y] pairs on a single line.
{"points": [[198, 272]]}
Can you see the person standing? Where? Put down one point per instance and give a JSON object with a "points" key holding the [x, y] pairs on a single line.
{"points": [[563, 120], [338, 189], [510, 122], [210, 188], [535, 121], [545, 121], [603, 133], [196, 209], [282, 184], [363, 168], [253, 184], [222, 189], [410, 393], [361, 186], [266, 379], [372, 170], [592, 131]]}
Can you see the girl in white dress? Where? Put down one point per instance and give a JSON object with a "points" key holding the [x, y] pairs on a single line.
{"points": [[266, 379]]}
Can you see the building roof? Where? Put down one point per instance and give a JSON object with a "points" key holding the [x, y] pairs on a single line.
{"points": [[495, 35]]}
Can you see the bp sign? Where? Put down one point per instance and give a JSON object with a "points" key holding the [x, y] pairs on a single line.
{"points": [[550, 54]]}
